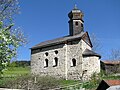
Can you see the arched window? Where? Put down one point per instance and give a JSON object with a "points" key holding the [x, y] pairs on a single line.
{"points": [[46, 63], [56, 52], [76, 23], [73, 62], [46, 53], [55, 62], [81, 25]]}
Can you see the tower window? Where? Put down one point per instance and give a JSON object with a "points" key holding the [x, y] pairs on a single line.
{"points": [[76, 23], [55, 62], [56, 52], [81, 25], [73, 62], [46, 63], [46, 53]]}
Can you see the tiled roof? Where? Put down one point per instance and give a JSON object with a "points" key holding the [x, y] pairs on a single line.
{"points": [[105, 84], [116, 87], [88, 52], [112, 82], [111, 62], [58, 40]]}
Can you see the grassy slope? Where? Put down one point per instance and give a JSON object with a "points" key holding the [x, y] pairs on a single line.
{"points": [[16, 71], [68, 82], [12, 72]]}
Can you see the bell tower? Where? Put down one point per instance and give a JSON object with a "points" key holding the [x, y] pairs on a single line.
{"points": [[76, 21]]}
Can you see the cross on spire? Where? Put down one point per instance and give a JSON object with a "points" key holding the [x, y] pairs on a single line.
{"points": [[75, 7]]}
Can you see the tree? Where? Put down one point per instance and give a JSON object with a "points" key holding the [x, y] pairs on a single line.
{"points": [[115, 54], [10, 38], [95, 42], [8, 8], [115, 58]]}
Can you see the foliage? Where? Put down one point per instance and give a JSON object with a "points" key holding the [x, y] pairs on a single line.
{"points": [[97, 78], [23, 63], [40, 83], [8, 8], [9, 42], [19, 64], [94, 81], [4, 80], [28, 82], [10, 38], [112, 77], [102, 73], [19, 75], [12, 64], [11, 73]]}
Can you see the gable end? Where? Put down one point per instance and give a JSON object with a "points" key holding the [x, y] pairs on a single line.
{"points": [[87, 40]]}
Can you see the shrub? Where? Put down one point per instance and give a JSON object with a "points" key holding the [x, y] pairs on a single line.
{"points": [[13, 64], [28, 82], [94, 81], [19, 64]]}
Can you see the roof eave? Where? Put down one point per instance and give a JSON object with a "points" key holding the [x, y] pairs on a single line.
{"points": [[57, 43], [92, 55]]}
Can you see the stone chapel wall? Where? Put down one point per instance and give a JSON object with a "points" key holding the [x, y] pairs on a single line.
{"points": [[74, 52], [38, 61], [83, 68], [90, 65]]}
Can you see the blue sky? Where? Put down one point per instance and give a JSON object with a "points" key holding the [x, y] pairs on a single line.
{"points": [[42, 20]]}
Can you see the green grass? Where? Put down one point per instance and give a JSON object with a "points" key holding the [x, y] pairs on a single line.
{"points": [[4, 80], [111, 77], [11, 73], [16, 71], [93, 84], [68, 82]]}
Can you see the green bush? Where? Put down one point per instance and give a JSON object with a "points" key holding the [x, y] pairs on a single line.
{"points": [[19, 64], [13, 64], [93, 82], [112, 77]]}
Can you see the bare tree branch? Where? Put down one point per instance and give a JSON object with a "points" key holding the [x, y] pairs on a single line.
{"points": [[115, 54], [96, 43]]}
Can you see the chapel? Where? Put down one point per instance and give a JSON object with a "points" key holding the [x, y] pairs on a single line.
{"points": [[68, 57]]}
